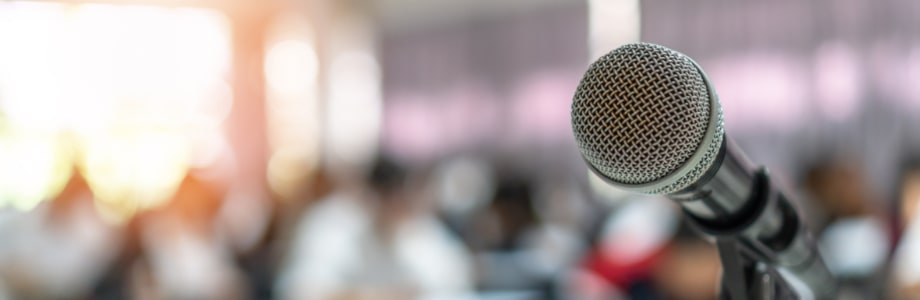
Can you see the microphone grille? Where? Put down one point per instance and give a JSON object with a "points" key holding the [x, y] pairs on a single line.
{"points": [[640, 113]]}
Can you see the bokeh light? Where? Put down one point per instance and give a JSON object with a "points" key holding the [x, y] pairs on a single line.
{"points": [[354, 110], [292, 71], [34, 166], [411, 149], [133, 170], [118, 89], [291, 66]]}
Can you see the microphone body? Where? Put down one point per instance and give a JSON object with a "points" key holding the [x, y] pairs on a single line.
{"points": [[647, 119], [737, 199]]}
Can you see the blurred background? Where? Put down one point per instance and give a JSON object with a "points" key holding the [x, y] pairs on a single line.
{"points": [[409, 149]]}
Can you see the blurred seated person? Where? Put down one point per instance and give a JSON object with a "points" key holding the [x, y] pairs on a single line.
{"points": [[59, 249], [643, 251], [689, 269], [182, 255], [374, 240], [851, 226], [906, 261], [525, 234]]}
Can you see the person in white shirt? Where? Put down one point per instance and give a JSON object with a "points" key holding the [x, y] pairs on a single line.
{"points": [[375, 241]]}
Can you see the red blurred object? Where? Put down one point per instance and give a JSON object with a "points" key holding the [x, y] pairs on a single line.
{"points": [[622, 273]]}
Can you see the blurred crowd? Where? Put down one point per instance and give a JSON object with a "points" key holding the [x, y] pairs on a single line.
{"points": [[408, 149], [462, 228]]}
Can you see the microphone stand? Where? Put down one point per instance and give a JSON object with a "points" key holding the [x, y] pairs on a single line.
{"points": [[745, 278], [752, 264]]}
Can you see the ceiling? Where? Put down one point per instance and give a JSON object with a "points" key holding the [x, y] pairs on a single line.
{"points": [[409, 14]]}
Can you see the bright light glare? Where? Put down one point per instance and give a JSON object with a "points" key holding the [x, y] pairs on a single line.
{"points": [[29, 64], [134, 170], [291, 67], [33, 167], [133, 83], [354, 107], [612, 23], [292, 104]]}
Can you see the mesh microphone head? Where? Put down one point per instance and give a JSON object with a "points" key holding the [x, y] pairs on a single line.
{"points": [[646, 118]]}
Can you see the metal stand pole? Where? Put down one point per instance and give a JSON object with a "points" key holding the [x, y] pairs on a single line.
{"points": [[751, 261], [744, 278]]}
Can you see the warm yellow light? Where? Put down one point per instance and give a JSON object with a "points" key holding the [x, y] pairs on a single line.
{"points": [[34, 166], [134, 170], [134, 83], [292, 68], [288, 170]]}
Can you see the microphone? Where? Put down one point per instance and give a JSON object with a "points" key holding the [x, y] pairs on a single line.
{"points": [[647, 119]]}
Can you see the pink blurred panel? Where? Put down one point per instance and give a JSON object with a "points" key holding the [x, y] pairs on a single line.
{"points": [[913, 85], [411, 127], [761, 89], [423, 125], [470, 112], [887, 69], [541, 103], [839, 81]]}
